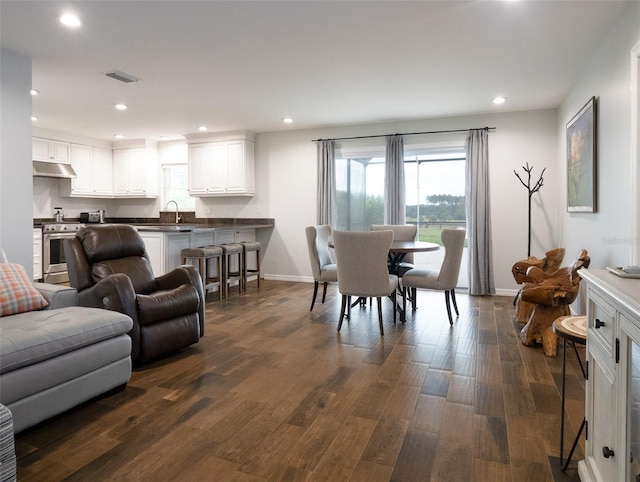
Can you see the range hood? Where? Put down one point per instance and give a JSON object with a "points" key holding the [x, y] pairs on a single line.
{"points": [[53, 169]]}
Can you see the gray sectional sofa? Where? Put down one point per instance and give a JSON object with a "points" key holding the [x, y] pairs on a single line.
{"points": [[56, 358]]}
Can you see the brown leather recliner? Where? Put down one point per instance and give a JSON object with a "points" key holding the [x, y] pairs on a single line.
{"points": [[109, 266]]}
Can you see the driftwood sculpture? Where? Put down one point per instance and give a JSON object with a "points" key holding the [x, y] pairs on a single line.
{"points": [[551, 294], [549, 264]]}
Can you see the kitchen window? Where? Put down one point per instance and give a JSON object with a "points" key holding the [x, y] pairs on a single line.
{"points": [[175, 187]]}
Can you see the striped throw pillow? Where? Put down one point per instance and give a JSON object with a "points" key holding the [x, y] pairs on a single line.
{"points": [[17, 293]]}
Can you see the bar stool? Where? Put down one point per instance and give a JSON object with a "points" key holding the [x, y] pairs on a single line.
{"points": [[204, 256], [232, 252], [250, 247], [573, 329]]}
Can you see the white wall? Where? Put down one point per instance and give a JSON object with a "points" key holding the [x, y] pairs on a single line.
{"points": [[287, 186], [16, 210], [606, 234]]}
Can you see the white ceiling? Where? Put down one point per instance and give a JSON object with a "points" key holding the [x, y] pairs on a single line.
{"points": [[247, 64]]}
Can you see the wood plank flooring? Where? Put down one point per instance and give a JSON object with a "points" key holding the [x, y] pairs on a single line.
{"points": [[273, 392]]}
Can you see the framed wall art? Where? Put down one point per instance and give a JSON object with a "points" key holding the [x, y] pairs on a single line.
{"points": [[581, 160]]}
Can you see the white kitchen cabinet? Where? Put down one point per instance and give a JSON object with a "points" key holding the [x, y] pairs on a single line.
{"points": [[37, 254], [613, 329], [102, 171], [164, 249], [94, 170], [135, 172], [154, 244], [49, 150], [221, 167]]}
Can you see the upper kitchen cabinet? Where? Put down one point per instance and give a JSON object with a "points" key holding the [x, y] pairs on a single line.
{"points": [[94, 170], [48, 150], [135, 170], [221, 164]]}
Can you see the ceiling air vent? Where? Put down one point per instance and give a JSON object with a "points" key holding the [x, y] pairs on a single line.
{"points": [[122, 76]]}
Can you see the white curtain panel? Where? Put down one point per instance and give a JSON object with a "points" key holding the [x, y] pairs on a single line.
{"points": [[394, 186], [478, 208], [326, 205]]}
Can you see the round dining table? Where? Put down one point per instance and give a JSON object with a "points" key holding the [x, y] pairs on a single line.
{"points": [[399, 249]]}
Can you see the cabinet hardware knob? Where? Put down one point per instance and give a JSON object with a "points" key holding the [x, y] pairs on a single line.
{"points": [[598, 323], [607, 452]]}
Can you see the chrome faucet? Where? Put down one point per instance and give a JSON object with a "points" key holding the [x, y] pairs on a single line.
{"points": [[177, 215]]}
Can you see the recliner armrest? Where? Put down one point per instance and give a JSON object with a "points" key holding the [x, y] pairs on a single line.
{"points": [[58, 296], [185, 274], [115, 293]]}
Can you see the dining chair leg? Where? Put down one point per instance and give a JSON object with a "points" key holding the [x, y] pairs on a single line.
{"points": [[342, 308], [380, 315], [315, 293], [446, 299], [414, 298], [404, 300], [348, 307], [453, 299], [324, 291], [394, 300]]}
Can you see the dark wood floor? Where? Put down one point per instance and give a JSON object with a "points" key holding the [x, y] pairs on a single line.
{"points": [[272, 392]]}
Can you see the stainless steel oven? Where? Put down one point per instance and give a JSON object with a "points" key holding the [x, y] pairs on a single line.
{"points": [[54, 267]]}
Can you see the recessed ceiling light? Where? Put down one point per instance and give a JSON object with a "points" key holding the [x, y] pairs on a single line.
{"points": [[34, 118], [203, 128], [34, 92], [70, 20], [287, 120], [499, 100], [118, 136], [122, 106]]}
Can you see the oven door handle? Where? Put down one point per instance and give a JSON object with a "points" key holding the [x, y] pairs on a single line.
{"points": [[58, 236]]}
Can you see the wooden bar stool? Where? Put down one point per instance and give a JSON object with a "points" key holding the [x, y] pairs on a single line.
{"points": [[204, 256], [250, 247], [232, 255]]}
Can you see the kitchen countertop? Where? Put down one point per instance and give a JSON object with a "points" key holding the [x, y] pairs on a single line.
{"points": [[195, 225]]}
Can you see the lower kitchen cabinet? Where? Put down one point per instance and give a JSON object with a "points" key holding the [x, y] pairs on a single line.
{"points": [[612, 403], [37, 254], [164, 248]]}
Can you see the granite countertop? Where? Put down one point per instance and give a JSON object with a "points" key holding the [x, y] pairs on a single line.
{"points": [[190, 224]]}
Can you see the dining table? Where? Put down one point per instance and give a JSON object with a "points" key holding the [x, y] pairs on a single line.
{"points": [[399, 249]]}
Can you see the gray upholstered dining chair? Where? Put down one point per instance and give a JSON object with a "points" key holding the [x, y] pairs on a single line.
{"points": [[361, 258], [322, 265], [401, 232], [444, 279]]}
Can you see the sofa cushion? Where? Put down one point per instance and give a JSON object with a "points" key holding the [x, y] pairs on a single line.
{"points": [[29, 338], [17, 293]]}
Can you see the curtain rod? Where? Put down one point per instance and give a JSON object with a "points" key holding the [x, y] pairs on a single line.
{"points": [[491, 129]]}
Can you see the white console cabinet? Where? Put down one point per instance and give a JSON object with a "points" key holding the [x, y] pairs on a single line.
{"points": [[612, 403], [221, 165]]}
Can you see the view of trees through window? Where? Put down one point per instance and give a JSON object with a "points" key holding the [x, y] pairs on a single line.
{"points": [[435, 187]]}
